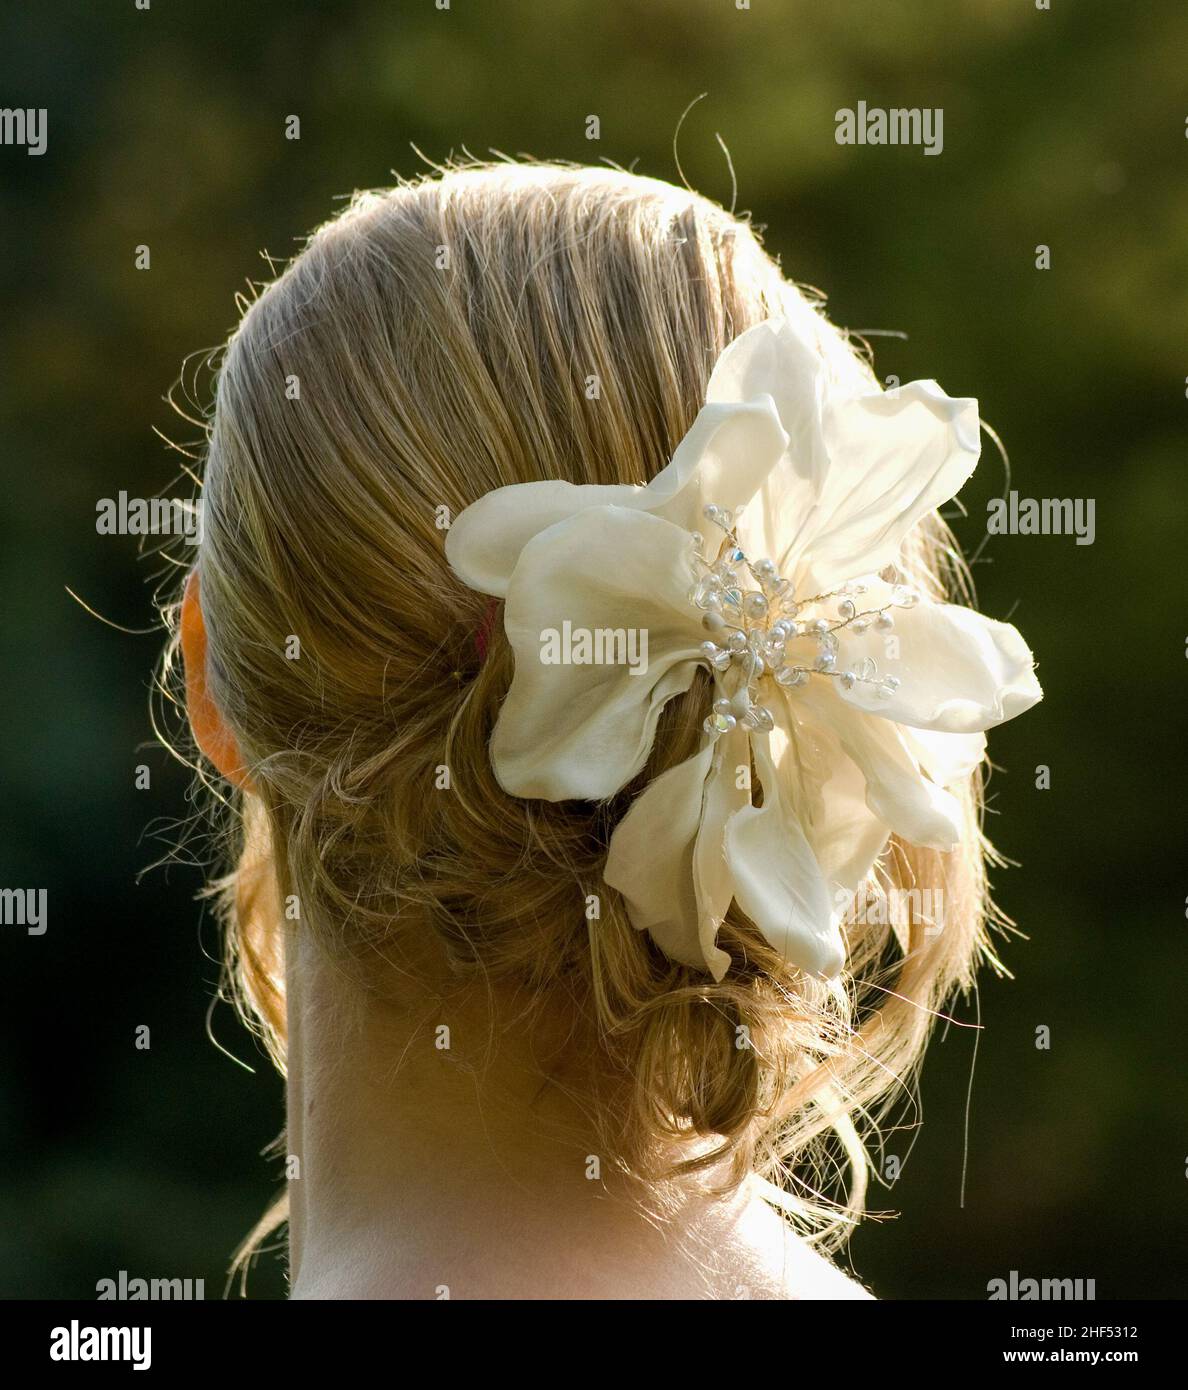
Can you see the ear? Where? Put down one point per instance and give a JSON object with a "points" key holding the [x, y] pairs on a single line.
{"points": [[214, 737]]}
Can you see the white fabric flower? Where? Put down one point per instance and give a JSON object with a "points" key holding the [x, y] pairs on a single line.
{"points": [[859, 701]]}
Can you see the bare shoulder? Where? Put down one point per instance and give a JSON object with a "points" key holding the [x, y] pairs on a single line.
{"points": [[742, 1248], [809, 1274], [763, 1258]]}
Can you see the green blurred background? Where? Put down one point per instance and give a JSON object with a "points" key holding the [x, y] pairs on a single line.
{"points": [[1063, 127]]}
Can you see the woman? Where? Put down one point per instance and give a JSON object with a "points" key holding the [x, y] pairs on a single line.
{"points": [[603, 850]]}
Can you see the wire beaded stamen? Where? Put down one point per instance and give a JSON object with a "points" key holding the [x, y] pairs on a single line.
{"points": [[750, 628]]}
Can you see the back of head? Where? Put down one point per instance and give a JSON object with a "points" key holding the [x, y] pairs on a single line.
{"points": [[496, 325]]}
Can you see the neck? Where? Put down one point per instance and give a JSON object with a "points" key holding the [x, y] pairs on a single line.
{"points": [[434, 1155]]}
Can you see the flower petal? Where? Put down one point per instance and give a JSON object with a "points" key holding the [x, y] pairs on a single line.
{"points": [[485, 541], [729, 451], [783, 360], [574, 728], [780, 359], [829, 797], [915, 808], [959, 672], [777, 880], [948, 759], [666, 857], [893, 458], [724, 458], [725, 794]]}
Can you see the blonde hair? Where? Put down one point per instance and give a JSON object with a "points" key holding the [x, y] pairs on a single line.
{"points": [[429, 344]]}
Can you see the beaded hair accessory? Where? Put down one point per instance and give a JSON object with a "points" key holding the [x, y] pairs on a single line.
{"points": [[857, 699]]}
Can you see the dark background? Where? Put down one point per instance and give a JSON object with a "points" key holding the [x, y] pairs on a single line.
{"points": [[166, 127]]}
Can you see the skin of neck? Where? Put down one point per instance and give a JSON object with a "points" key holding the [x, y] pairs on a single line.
{"points": [[436, 1157]]}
